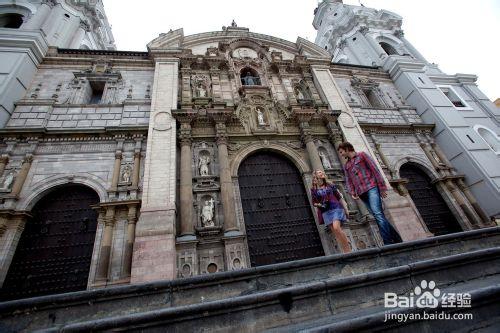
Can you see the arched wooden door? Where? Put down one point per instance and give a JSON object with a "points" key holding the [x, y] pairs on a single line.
{"points": [[278, 218], [431, 206], [54, 253]]}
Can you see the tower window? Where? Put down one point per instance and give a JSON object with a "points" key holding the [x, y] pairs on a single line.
{"points": [[11, 20], [371, 98], [453, 97], [490, 137], [388, 48]]}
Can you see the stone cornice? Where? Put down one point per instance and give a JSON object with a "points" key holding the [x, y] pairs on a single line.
{"points": [[397, 129], [30, 42]]}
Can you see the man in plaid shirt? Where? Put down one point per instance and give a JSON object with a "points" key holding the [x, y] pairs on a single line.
{"points": [[364, 181]]}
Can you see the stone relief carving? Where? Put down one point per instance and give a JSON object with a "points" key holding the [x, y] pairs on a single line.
{"points": [[8, 181], [200, 86], [126, 174]]}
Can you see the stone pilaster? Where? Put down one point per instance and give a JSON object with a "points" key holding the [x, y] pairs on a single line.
{"points": [[472, 200], [21, 176], [13, 226], [116, 170], [137, 168], [154, 255], [4, 159], [226, 185], [108, 219], [186, 182], [303, 117], [130, 238]]}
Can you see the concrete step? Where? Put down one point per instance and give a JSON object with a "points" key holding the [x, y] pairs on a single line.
{"points": [[50, 311], [303, 303], [485, 312]]}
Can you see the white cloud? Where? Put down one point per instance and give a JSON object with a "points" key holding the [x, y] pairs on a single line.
{"points": [[461, 36]]}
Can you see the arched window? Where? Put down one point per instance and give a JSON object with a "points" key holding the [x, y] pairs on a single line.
{"points": [[11, 20], [489, 137], [388, 48], [250, 77]]}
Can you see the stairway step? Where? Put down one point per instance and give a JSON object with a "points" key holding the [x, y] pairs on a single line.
{"points": [[288, 306], [485, 295], [52, 310]]}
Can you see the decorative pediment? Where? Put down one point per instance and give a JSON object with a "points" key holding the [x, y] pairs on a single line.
{"points": [[170, 40]]}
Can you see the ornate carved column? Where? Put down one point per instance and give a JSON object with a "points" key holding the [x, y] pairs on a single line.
{"points": [[465, 190], [108, 219], [116, 170], [79, 35], [129, 246], [303, 116], [21, 176], [13, 226], [186, 182], [226, 185], [4, 159], [137, 168], [35, 22], [457, 195]]}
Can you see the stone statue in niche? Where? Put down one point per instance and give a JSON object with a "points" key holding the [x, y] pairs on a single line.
{"points": [[126, 173], [200, 90], [203, 162], [8, 180], [299, 93], [207, 213], [260, 117], [325, 160]]}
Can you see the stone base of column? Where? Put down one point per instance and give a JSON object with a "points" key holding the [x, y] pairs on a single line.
{"points": [[400, 213], [187, 257], [154, 256], [236, 251]]}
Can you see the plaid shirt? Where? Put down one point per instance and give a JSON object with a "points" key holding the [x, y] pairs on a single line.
{"points": [[362, 174]]}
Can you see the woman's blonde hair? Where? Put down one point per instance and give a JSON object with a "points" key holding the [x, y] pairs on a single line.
{"points": [[316, 180]]}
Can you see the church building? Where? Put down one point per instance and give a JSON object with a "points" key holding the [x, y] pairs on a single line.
{"points": [[196, 156]]}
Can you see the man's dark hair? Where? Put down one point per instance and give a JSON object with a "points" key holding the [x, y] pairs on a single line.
{"points": [[347, 146]]}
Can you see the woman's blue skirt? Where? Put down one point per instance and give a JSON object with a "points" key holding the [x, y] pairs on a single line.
{"points": [[334, 214]]}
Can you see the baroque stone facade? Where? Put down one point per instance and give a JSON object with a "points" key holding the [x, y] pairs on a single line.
{"points": [[162, 138]]}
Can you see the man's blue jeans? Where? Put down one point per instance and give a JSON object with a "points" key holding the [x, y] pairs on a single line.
{"points": [[373, 202]]}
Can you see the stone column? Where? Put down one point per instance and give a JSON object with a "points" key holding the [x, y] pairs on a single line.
{"points": [[226, 185], [129, 245], [465, 190], [137, 169], [116, 170], [79, 35], [105, 253], [457, 195], [9, 240], [21, 176], [4, 159], [154, 255], [36, 21], [303, 116], [186, 182]]}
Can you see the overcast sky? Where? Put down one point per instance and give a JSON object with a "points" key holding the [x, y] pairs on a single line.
{"points": [[461, 36]]}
